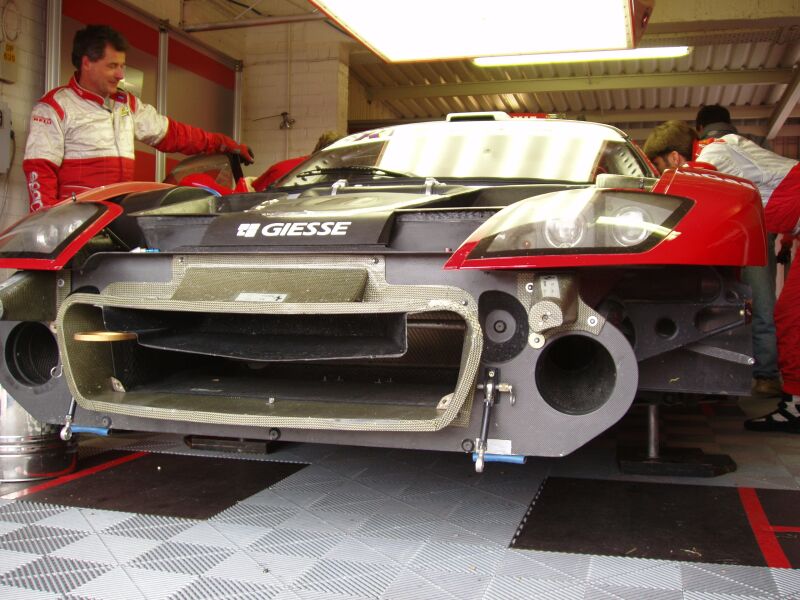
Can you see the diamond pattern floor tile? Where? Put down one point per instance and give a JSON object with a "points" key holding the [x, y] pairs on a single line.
{"points": [[53, 574], [158, 584], [224, 589], [192, 559], [787, 581], [256, 514], [125, 549], [732, 579], [91, 548], [283, 567], [389, 524], [512, 588], [28, 512], [17, 593], [150, 527], [367, 580], [115, 584], [37, 539], [242, 566], [295, 542], [205, 534]]}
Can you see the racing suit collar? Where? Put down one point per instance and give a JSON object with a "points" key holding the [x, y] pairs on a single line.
{"points": [[84, 93], [717, 130]]}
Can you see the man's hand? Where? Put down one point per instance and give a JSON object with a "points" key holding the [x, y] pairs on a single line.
{"points": [[226, 144], [245, 154]]}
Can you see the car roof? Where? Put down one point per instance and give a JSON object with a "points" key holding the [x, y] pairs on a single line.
{"points": [[474, 124]]}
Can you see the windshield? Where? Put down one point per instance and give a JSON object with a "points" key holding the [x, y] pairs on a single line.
{"points": [[565, 151]]}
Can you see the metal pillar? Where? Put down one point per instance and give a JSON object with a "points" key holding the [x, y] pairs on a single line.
{"points": [[161, 92], [52, 61], [238, 93]]}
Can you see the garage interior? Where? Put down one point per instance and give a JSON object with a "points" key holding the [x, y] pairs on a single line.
{"points": [[165, 516]]}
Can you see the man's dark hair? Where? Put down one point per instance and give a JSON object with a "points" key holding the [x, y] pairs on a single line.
{"points": [[91, 41], [713, 113], [669, 136]]}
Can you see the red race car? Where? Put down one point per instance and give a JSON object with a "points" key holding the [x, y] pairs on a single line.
{"points": [[483, 284]]}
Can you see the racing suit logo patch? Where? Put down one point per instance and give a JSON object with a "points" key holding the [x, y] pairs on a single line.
{"points": [[35, 194]]}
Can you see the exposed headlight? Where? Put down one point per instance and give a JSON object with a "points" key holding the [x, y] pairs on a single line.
{"points": [[563, 232], [42, 233], [586, 220], [629, 226]]}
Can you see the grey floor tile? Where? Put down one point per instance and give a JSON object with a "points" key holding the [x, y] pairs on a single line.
{"points": [[391, 524], [243, 566], [53, 574], [787, 581], [29, 512], [115, 584], [126, 549], [224, 589], [513, 588], [445, 557], [192, 559], [732, 579], [285, 568], [37, 539], [205, 534], [255, 514], [91, 548], [295, 542], [594, 592], [158, 584], [368, 580], [150, 527], [17, 593]]}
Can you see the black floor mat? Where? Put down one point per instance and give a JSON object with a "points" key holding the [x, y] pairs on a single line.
{"points": [[644, 520], [172, 485]]}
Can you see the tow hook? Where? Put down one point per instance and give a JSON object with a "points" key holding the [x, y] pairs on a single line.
{"points": [[492, 388]]}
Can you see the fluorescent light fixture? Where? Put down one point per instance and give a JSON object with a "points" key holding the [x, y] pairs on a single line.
{"points": [[416, 30], [572, 57]]}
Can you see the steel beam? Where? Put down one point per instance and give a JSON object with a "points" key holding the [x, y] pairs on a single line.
{"points": [[582, 84], [786, 105]]}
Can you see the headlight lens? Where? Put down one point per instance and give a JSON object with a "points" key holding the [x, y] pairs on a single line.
{"points": [[630, 227], [565, 232], [44, 233], [585, 220]]}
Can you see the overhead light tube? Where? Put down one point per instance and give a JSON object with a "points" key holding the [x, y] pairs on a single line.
{"points": [[577, 57]]}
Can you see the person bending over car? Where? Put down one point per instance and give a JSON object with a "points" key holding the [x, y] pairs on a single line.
{"points": [[777, 178], [82, 134], [713, 122]]}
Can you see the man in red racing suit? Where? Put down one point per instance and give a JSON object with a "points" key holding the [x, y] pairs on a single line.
{"points": [[82, 134], [778, 181]]}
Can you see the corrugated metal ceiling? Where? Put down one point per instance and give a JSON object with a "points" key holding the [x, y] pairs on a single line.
{"points": [[740, 60]]}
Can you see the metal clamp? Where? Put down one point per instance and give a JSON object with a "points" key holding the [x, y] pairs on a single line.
{"points": [[492, 388], [66, 430]]}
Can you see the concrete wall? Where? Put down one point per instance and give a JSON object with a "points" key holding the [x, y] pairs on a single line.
{"points": [[20, 97]]}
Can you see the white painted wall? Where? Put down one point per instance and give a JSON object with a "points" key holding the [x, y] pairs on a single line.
{"points": [[20, 97]]}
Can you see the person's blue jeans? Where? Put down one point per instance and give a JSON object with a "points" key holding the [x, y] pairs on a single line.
{"points": [[762, 283]]}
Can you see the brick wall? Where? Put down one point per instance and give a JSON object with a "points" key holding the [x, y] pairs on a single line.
{"points": [[300, 69], [20, 97]]}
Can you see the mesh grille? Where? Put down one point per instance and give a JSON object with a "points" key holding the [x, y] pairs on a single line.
{"points": [[87, 365]]}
